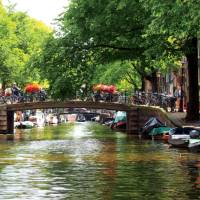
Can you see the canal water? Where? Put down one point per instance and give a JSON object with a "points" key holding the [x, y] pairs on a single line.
{"points": [[89, 161]]}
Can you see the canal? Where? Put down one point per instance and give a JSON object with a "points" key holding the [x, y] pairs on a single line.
{"points": [[89, 161]]}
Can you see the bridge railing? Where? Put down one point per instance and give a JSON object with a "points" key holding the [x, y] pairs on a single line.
{"points": [[162, 100], [22, 97], [138, 98]]}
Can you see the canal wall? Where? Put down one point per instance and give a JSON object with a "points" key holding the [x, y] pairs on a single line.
{"points": [[3, 119], [139, 115], [5, 133]]}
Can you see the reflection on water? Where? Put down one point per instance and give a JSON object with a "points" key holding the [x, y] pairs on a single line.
{"points": [[89, 161]]}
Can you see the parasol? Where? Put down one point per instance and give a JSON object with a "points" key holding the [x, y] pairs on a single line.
{"points": [[104, 88], [32, 87]]}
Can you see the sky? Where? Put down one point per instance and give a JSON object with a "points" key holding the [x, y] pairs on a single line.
{"points": [[43, 10]]}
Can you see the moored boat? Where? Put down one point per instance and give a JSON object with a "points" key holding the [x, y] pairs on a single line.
{"points": [[151, 124], [158, 133], [80, 118], [38, 118], [119, 121], [24, 125], [179, 137], [194, 145], [179, 142]]}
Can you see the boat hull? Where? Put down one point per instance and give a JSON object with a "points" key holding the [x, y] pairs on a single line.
{"points": [[178, 143], [194, 145]]}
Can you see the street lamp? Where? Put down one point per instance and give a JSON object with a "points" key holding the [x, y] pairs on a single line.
{"points": [[181, 106]]}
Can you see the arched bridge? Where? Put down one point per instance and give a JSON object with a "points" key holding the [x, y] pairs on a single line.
{"points": [[136, 115]]}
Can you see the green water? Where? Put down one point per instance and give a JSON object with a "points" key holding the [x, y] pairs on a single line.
{"points": [[89, 161]]}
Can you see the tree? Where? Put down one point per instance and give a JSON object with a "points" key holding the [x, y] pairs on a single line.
{"points": [[7, 40], [118, 73], [113, 30], [92, 33], [65, 69], [20, 38], [31, 35], [97, 33], [169, 19]]}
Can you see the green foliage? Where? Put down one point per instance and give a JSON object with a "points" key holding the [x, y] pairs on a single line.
{"points": [[61, 66], [114, 27], [178, 23], [20, 38], [179, 20], [121, 74], [113, 42], [92, 36]]}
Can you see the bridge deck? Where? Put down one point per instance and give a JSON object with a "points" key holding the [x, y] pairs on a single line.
{"points": [[69, 104]]}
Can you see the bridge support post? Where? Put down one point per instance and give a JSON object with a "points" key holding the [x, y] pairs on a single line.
{"points": [[132, 126], [3, 119], [10, 122]]}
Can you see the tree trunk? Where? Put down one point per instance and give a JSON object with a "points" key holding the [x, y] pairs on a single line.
{"points": [[143, 83], [193, 90], [3, 85], [153, 80]]}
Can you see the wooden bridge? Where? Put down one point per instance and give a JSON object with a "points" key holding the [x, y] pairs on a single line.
{"points": [[136, 115]]}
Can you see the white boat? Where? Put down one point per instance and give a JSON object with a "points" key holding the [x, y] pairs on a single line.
{"points": [[71, 117], [80, 118], [38, 119], [179, 137], [24, 124], [184, 137], [194, 145], [52, 119]]}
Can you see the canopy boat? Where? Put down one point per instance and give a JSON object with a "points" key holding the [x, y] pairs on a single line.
{"points": [[119, 120], [152, 123]]}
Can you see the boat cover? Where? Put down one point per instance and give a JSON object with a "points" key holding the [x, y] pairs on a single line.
{"points": [[153, 122], [120, 116], [159, 130]]}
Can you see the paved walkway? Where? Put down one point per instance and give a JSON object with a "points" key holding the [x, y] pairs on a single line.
{"points": [[178, 118]]}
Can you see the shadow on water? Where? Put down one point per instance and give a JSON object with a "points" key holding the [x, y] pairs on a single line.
{"points": [[90, 161]]}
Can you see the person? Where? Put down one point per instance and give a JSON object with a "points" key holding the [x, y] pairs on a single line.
{"points": [[8, 95], [172, 103], [42, 95], [8, 91], [19, 116], [16, 92], [179, 95], [109, 97], [97, 96]]}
